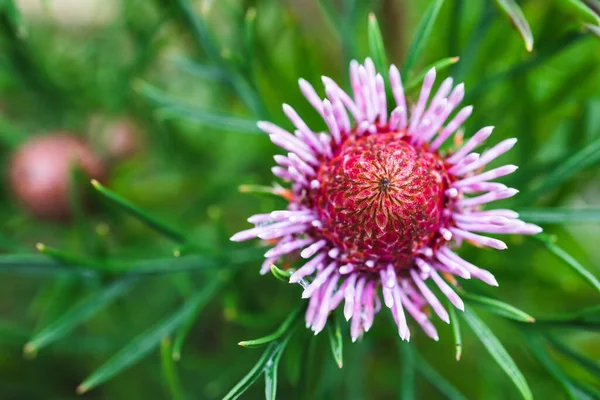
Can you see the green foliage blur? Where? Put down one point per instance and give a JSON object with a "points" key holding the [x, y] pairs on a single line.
{"points": [[141, 295]]}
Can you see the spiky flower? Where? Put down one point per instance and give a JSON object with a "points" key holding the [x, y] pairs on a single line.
{"points": [[380, 203]]}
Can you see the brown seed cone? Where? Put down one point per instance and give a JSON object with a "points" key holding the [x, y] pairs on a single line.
{"points": [[40, 173]]}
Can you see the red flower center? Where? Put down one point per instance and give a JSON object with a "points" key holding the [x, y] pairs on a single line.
{"points": [[382, 198]]}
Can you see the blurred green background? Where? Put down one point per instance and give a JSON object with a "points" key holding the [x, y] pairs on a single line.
{"points": [[119, 290]]}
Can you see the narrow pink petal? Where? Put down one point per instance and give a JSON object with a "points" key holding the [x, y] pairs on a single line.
{"points": [[422, 102], [331, 122], [286, 248], [475, 141], [307, 268], [452, 127], [489, 155], [324, 307], [311, 95], [487, 176], [356, 324], [487, 198], [398, 92], [447, 290], [430, 297], [484, 240], [332, 87], [320, 279], [349, 297]]}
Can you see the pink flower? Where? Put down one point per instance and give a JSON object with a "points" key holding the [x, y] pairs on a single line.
{"points": [[376, 205]]}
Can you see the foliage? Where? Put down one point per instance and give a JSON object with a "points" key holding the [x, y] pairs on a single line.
{"points": [[141, 295]]}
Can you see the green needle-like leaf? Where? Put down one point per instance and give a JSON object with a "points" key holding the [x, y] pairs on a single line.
{"points": [[331, 16], [150, 221], [202, 71], [334, 333], [559, 215], [593, 366], [581, 10], [515, 15], [186, 327], [77, 315], [145, 342], [569, 260], [33, 263], [209, 118], [67, 258], [498, 352], [168, 107], [407, 381], [421, 36], [376, 45], [586, 157], [436, 380], [499, 308], [455, 324], [594, 29], [271, 370], [536, 348], [254, 373], [169, 371], [280, 274], [283, 328], [267, 364], [587, 318], [250, 33], [438, 65]]}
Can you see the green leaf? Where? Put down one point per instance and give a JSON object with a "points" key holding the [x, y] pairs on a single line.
{"points": [[33, 263], [587, 318], [141, 345], [421, 37], [569, 260], [593, 366], [455, 324], [586, 157], [407, 383], [271, 370], [150, 221], [581, 10], [267, 364], [202, 71], [168, 107], [274, 190], [169, 371], [250, 33], [68, 258], [594, 29], [280, 274], [435, 379], [438, 65], [212, 119], [77, 315], [515, 15], [332, 18], [498, 352], [283, 328], [336, 343], [536, 348], [188, 324], [28, 264], [559, 215], [376, 45], [254, 373], [498, 307]]}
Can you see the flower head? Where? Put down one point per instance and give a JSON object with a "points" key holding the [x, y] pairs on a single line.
{"points": [[377, 206]]}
